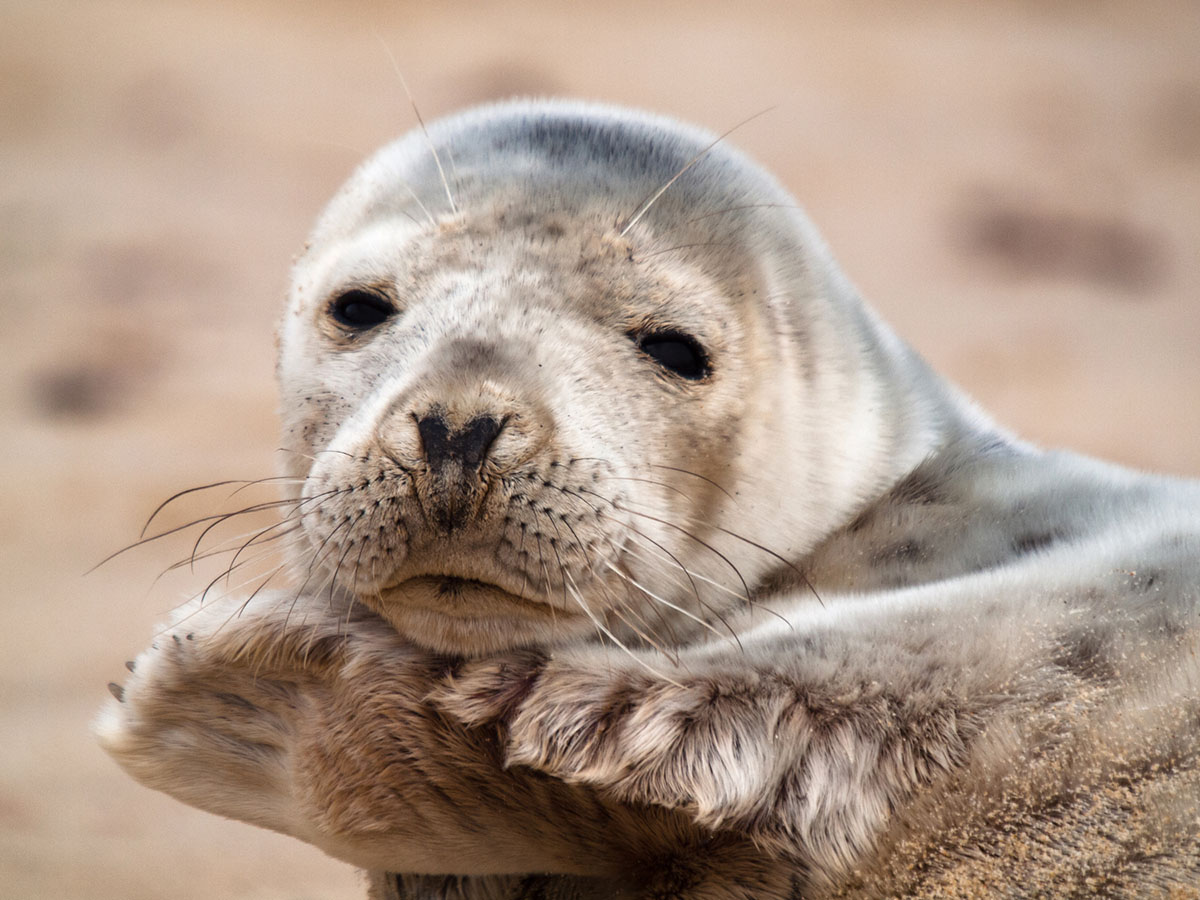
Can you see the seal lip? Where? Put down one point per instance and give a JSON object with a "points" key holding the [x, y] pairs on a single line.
{"points": [[464, 597]]}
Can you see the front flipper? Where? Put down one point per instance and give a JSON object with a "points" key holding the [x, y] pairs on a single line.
{"points": [[308, 722], [808, 768], [863, 725], [207, 717], [266, 714]]}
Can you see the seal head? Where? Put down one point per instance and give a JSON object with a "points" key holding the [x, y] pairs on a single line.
{"points": [[554, 370]]}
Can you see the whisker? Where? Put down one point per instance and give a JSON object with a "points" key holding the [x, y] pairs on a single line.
{"points": [[718, 553], [167, 628], [620, 644], [648, 254], [728, 209], [598, 459], [205, 487], [667, 603], [432, 218], [630, 606], [799, 572], [318, 552], [352, 591], [647, 639], [541, 552], [713, 612], [661, 484], [562, 570], [425, 131], [659, 561], [260, 507], [453, 165], [258, 538], [770, 552], [290, 522], [260, 662], [641, 534], [700, 602], [279, 479], [694, 475], [200, 607], [638, 610], [225, 574], [595, 575], [601, 630], [319, 589], [524, 566], [673, 557], [296, 503], [313, 456], [691, 162], [237, 614], [717, 585], [338, 568], [291, 528]]}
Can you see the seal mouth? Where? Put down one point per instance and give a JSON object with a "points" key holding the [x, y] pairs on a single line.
{"points": [[466, 616], [452, 583], [462, 597], [455, 587]]}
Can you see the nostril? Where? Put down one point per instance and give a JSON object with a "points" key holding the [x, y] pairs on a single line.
{"points": [[475, 440], [435, 434], [468, 446]]}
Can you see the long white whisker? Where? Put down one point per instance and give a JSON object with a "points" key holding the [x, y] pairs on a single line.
{"points": [[617, 641], [425, 131], [691, 162], [618, 608], [699, 577], [665, 602]]}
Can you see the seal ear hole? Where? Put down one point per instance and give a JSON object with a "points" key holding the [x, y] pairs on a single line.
{"points": [[360, 309], [675, 351]]}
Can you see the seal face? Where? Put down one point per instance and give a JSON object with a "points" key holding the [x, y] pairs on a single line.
{"points": [[553, 406], [485, 481]]}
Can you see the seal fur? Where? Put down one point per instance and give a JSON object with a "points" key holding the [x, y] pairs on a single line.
{"points": [[995, 691]]}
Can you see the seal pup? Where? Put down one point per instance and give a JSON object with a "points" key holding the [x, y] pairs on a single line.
{"points": [[696, 581]]}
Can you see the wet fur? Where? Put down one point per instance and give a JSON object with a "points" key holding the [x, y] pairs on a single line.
{"points": [[961, 666]]}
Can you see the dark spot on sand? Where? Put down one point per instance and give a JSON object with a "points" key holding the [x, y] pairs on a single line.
{"points": [[75, 391], [1046, 243]]}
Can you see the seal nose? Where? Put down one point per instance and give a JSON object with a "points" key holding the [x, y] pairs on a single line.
{"points": [[468, 446]]}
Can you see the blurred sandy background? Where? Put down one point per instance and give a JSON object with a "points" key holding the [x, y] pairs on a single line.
{"points": [[1016, 185]]}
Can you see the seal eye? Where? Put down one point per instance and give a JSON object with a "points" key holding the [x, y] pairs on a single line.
{"points": [[360, 310], [678, 352]]}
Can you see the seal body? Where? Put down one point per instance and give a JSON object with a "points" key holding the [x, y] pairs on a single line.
{"points": [[700, 583]]}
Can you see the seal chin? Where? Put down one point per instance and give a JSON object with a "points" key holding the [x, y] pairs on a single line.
{"points": [[464, 616]]}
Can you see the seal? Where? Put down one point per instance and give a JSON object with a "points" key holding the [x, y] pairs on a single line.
{"points": [[581, 407]]}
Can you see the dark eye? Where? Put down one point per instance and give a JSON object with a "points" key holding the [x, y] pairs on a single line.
{"points": [[359, 310], [680, 353]]}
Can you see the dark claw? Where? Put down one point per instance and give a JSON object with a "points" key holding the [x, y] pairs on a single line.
{"points": [[117, 691], [131, 665]]}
